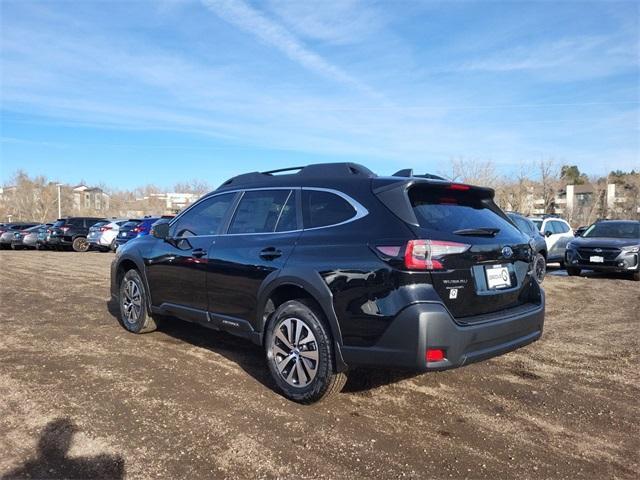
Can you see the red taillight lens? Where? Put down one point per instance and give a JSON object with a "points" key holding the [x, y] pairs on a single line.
{"points": [[135, 229], [459, 186], [426, 254], [435, 355], [104, 229]]}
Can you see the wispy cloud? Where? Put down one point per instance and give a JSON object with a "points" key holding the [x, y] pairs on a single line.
{"points": [[339, 22], [243, 16]]}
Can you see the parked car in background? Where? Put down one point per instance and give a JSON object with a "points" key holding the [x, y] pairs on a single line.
{"points": [[135, 228], [538, 242], [10, 229], [333, 267], [606, 246], [71, 233], [28, 238], [102, 235], [557, 233]]}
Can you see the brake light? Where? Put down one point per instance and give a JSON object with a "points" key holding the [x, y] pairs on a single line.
{"points": [[427, 254], [65, 229], [459, 186], [435, 355], [104, 229], [135, 229]]}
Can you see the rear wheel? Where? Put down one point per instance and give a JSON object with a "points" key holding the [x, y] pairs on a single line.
{"points": [[540, 267], [299, 353], [636, 276], [573, 271], [133, 304], [80, 244]]}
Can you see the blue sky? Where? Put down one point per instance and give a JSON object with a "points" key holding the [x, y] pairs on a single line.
{"points": [[136, 92]]}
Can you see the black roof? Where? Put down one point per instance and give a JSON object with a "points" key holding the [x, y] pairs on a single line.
{"points": [[318, 175], [299, 175]]}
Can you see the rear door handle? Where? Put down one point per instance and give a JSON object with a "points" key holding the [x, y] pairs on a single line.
{"points": [[270, 253], [198, 252]]}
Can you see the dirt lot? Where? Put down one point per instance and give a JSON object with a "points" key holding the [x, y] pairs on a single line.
{"points": [[81, 397]]}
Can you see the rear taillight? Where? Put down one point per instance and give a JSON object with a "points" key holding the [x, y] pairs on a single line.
{"points": [[435, 355], [427, 254], [65, 229], [135, 229], [104, 229]]}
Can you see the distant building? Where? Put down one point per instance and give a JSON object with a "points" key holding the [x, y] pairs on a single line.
{"points": [[89, 198], [173, 201]]}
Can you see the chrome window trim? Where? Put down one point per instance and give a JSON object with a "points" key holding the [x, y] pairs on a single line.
{"points": [[360, 210]]}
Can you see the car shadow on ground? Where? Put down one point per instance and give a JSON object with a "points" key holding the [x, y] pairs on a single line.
{"points": [[52, 461], [557, 271], [251, 357]]}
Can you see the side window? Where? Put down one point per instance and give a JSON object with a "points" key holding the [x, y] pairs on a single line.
{"points": [[204, 218], [557, 227], [289, 216], [259, 211], [565, 228], [321, 209], [548, 228]]}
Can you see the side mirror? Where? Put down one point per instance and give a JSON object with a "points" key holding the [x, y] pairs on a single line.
{"points": [[548, 233], [160, 230]]}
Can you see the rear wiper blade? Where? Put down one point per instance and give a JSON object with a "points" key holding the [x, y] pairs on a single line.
{"points": [[478, 232]]}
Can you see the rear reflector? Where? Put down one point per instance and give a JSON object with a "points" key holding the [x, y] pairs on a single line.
{"points": [[435, 355], [427, 254]]}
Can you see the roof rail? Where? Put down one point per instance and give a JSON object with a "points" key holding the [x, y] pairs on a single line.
{"points": [[319, 170], [408, 172]]}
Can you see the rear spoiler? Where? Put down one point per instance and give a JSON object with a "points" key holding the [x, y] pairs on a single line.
{"points": [[395, 195]]}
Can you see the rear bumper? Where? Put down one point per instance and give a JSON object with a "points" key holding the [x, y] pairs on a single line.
{"points": [[65, 241], [430, 326]]}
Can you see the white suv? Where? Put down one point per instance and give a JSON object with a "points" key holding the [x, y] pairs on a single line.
{"points": [[557, 233]]}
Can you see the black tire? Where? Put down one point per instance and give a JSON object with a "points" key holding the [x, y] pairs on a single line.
{"points": [[636, 276], [318, 384], [539, 268], [80, 244], [136, 320], [573, 271], [562, 264], [114, 246]]}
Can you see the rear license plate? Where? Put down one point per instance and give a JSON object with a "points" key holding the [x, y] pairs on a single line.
{"points": [[596, 259], [498, 277]]}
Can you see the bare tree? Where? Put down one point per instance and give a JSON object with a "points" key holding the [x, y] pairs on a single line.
{"points": [[549, 183]]}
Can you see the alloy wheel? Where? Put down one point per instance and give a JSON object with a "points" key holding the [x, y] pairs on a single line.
{"points": [[294, 350], [131, 302]]}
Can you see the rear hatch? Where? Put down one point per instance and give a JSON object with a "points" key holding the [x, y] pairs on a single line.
{"points": [[477, 259], [128, 231], [96, 230]]}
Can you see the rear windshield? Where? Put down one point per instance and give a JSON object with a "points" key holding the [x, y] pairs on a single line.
{"points": [[614, 230], [99, 224], [449, 211], [60, 223], [131, 224]]}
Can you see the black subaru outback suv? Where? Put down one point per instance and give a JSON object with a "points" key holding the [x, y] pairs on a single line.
{"points": [[333, 267]]}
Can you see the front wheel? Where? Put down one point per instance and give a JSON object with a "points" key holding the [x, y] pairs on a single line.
{"points": [[573, 271], [133, 304], [636, 276], [540, 267], [300, 355], [80, 244]]}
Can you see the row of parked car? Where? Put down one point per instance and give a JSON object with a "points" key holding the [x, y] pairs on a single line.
{"points": [[75, 233], [606, 245]]}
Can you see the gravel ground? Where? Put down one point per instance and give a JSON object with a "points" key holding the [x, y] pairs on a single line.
{"points": [[81, 397]]}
